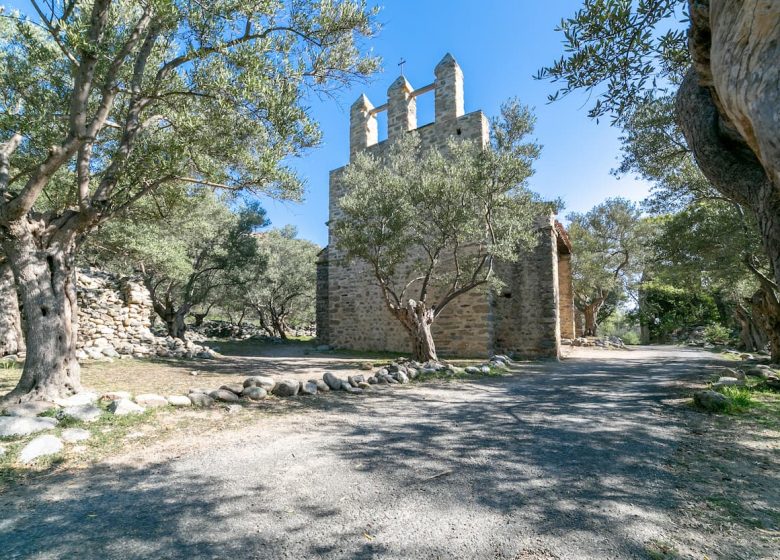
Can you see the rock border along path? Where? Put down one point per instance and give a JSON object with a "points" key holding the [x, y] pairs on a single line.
{"points": [[560, 461]]}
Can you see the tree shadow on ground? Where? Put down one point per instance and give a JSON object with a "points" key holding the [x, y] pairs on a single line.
{"points": [[577, 455]]}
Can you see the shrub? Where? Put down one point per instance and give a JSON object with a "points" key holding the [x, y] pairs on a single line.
{"points": [[631, 338], [666, 309], [740, 397], [716, 334]]}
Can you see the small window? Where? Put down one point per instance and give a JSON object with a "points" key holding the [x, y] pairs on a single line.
{"points": [[459, 131]]}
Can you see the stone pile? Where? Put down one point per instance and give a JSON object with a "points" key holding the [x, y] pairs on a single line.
{"points": [[115, 320], [22, 419], [402, 371], [594, 342]]}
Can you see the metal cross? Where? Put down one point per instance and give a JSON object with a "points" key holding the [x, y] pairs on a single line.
{"points": [[401, 64]]}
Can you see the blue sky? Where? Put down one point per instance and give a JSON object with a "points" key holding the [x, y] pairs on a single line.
{"points": [[500, 45]]}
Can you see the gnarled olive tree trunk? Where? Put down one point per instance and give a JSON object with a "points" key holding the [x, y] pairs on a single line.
{"points": [[728, 107], [165, 307], [173, 318], [766, 309], [752, 335], [42, 260], [11, 335], [417, 318], [736, 48], [591, 312]]}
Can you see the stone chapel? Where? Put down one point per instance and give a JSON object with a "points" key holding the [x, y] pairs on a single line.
{"points": [[528, 318]]}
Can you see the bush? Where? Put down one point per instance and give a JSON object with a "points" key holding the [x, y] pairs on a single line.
{"points": [[667, 309], [716, 334], [631, 338]]}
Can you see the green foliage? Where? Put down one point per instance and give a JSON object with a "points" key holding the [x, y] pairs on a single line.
{"points": [[154, 93], [740, 398], [655, 149], [607, 250], [449, 214], [622, 324], [282, 290], [716, 334], [621, 50], [666, 309], [630, 337], [707, 244], [185, 247]]}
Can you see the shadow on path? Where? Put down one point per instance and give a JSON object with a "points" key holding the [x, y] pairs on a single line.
{"points": [[568, 459]]}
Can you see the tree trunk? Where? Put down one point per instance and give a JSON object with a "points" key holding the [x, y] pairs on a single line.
{"points": [[591, 313], [165, 310], [417, 319], [423, 347], [279, 324], [11, 335], [735, 45], [199, 317], [46, 281], [174, 323], [751, 334], [731, 167], [766, 310]]}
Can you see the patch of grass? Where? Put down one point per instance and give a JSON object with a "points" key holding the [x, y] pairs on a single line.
{"points": [[107, 434], [302, 338], [741, 398], [754, 396], [735, 511], [660, 550]]}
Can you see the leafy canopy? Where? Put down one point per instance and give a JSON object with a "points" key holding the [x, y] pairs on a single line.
{"points": [[621, 50], [423, 218], [184, 250], [133, 95], [284, 292], [607, 249]]}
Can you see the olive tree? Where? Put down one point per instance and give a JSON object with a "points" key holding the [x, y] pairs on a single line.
{"points": [[718, 60], [431, 224], [284, 290], [103, 102], [711, 238], [606, 255], [195, 246]]}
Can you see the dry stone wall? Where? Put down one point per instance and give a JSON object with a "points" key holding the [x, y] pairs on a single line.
{"points": [[115, 319]]}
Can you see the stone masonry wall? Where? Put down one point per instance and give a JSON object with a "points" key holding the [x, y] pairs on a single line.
{"points": [[321, 305], [115, 320], [476, 323], [526, 313], [114, 316], [357, 315], [566, 295]]}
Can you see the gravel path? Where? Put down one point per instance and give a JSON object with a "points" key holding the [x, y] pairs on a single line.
{"points": [[564, 460]]}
